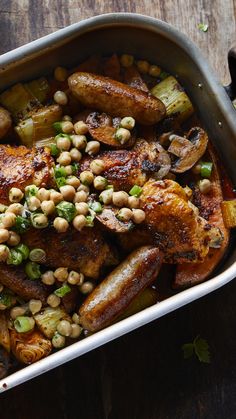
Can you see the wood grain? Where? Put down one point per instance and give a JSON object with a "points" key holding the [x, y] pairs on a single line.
{"points": [[142, 375]]}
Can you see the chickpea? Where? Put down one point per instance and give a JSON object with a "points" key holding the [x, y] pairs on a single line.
{"points": [[80, 128], [60, 73], [100, 183], [63, 143], [53, 300], [58, 341], [14, 238], [40, 221], [74, 278], [205, 186], [154, 71], [15, 208], [76, 318], [15, 195], [35, 306], [43, 194], [4, 253], [81, 196], [106, 196], [4, 235], [73, 181], [125, 214], [128, 122], [76, 331], [64, 159], [17, 311], [66, 118], [120, 199], [138, 216], [83, 188], [48, 207], [79, 222], [33, 203], [197, 169], [133, 202], [75, 154], [60, 98], [86, 287], [126, 60], [79, 141], [56, 197], [60, 224], [92, 147], [122, 135], [48, 278], [143, 66], [61, 274], [86, 177], [68, 170], [67, 127], [8, 220], [64, 328], [82, 208], [97, 166], [68, 192]]}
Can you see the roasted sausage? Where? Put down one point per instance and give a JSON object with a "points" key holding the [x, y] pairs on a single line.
{"points": [[115, 98], [17, 281], [113, 295]]}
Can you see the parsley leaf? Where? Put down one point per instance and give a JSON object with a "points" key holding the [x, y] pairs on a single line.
{"points": [[203, 27], [199, 347]]}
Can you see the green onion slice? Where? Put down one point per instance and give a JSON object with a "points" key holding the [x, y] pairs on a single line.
{"points": [[21, 225], [206, 169], [66, 210], [32, 270], [37, 255], [24, 324], [23, 249], [95, 206], [135, 191], [54, 150], [14, 258], [62, 291]]}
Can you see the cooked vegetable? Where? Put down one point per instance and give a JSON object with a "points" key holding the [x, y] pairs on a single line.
{"points": [[188, 150], [48, 319], [24, 324], [114, 294], [29, 347], [32, 270], [37, 255], [5, 122], [66, 210], [229, 213], [38, 88], [6, 299], [23, 249], [62, 291], [135, 191], [206, 169], [4, 332], [14, 258], [39, 126], [18, 100], [115, 98], [96, 207], [176, 101], [22, 224], [109, 219]]}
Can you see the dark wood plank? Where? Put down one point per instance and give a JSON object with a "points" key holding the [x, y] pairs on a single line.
{"points": [[142, 375]]}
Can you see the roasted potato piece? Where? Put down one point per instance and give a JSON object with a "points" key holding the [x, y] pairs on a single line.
{"points": [[115, 98], [5, 122], [114, 294], [29, 347]]}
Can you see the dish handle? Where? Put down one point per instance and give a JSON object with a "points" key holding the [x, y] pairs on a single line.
{"points": [[231, 88]]}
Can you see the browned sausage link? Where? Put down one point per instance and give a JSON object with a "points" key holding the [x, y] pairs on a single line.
{"points": [[120, 287], [16, 280], [115, 98]]}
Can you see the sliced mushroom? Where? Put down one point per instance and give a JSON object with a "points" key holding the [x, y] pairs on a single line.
{"points": [[102, 127], [30, 347], [188, 150], [5, 122], [109, 220]]}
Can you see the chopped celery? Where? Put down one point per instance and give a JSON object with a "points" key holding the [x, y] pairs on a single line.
{"points": [[48, 318]]}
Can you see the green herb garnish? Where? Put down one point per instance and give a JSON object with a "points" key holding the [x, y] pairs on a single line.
{"points": [[199, 347], [203, 27]]}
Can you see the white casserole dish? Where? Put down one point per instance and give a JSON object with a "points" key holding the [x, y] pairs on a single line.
{"points": [[156, 41]]}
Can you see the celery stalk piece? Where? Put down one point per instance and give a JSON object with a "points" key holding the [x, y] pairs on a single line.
{"points": [[48, 319], [38, 88], [174, 98], [18, 101]]}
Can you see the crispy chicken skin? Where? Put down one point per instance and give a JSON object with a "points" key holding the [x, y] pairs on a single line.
{"points": [[173, 223], [21, 166], [86, 250]]}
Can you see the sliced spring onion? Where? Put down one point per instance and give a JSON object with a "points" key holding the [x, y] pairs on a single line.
{"points": [[60, 181], [75, 168], [24, 324], [135, 191], [54, 150], [59, 172], [31, 190], [66, 210], [62, 291], [14, 258], [206, 169], [23, 249], [6, 299], [58, 127], [37, 255], [89, 220], [32, 270], [95, 206], [21, 224]]}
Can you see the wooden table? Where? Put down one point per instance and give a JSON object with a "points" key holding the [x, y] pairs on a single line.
{"points": [[142, 375]]}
